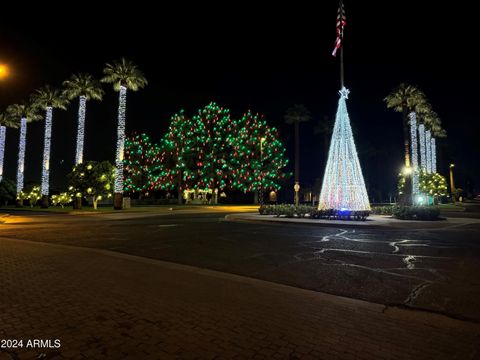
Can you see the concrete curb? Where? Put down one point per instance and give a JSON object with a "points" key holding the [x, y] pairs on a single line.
{"points": [[373, 222]]}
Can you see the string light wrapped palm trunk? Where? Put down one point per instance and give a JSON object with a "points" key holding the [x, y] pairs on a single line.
{"points": [[118, 188], [343, 185], [3, 132], [434, 154], [414, 150], [421, 137], [21, 154], [46, 156], [429, 150], [81, 129]]}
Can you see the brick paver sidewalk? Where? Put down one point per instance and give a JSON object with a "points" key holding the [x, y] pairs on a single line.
{"points": [[103, 305]]}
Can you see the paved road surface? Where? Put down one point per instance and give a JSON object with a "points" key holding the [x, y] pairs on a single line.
{"points": [[105, 305], [427, 269]]}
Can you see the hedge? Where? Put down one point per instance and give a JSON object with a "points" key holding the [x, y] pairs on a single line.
{"points": [[289, 211]]}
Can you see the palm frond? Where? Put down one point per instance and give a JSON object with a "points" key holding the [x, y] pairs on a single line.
{"points": [[23, 110], [48, 96], [8, 121], [124, 73], [405, 97], [83, 85], [297, 113]]}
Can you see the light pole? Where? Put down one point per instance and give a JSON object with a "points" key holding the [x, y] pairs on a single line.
{"points": [[452, 183], [3, 71], [260, 198], [296, 188]]}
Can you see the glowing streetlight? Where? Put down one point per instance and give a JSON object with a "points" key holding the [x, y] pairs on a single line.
{"points": [[452, 183], [4, 71], [262, 140], [407, 170]]}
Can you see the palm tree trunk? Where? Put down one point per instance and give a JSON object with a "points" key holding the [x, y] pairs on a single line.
{"points": [[407, 195], [406, 137], [428, 148], [122, 104], [180, 188], [297, 159], [414, 152], [3, 132], [46, 156], [21, 154], [82, 103], [255, 197], [421, 140], [434, 155]]}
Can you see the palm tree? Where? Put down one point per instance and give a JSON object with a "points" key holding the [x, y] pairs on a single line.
{"points": [[295, 115], [123, 75], [5, 121], [85, 87], [434, 124], [324, 127], [406, 98], [25, 113], [48, 98]]}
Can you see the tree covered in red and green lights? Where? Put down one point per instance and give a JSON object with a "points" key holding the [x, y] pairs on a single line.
{"points": [[142, 164], [211, 150], [174, 153], [207, 151], [258, 156]]}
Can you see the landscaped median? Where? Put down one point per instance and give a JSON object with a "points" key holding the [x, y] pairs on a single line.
{"points": [[302, 211], [307, 211], [379, 217]]}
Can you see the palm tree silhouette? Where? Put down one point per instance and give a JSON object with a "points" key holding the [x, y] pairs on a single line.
{"points": [[324, 127], [295, 115], [85, 87], [123, 74]]}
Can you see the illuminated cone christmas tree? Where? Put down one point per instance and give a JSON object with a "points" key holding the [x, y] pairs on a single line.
{"points": [[343, 186]]}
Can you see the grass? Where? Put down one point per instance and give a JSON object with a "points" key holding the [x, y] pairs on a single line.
{"points": [[450, 207]]}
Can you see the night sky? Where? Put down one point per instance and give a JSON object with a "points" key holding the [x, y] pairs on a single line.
{"points": [[263, 59]]}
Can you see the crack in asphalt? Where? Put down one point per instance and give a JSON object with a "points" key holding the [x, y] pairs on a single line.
{"points": [[416, 292]]}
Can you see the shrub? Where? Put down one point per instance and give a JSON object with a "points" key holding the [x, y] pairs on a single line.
{"points": [[382, 210], [289, 210], [416, 213], [302, 210], [61, 199]]}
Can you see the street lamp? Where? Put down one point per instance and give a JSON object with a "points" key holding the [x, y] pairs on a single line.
{"points": [[262, 140], [452, 183], [3, 71], [296, 188]]}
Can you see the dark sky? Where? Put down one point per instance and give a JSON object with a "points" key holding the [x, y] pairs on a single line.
{"points": [[260, 58]]}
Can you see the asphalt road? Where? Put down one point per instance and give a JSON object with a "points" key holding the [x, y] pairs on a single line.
{"points": [[435, 269]]}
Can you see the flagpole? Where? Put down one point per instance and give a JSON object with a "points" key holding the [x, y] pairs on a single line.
{"points": [[342, 75]]}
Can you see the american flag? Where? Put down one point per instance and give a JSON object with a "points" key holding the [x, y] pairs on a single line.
{"points": [[340, 26]]}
